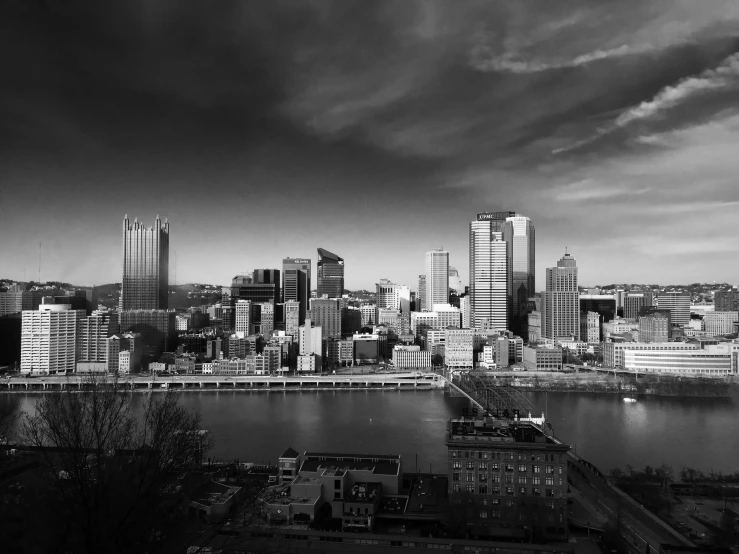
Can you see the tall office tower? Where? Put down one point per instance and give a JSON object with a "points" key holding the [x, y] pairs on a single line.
{"points": [[726, 301], [519, 233], [464, 307], [243, 317], [326, 314], [267, 277], [311, 341], [561, 301], [292, 318], [437, 277], [330, 271], [633, 302], [263, 319], [654, 326], [392, 297], [296, 283], [679, 305], [421, 303], [49, 339], [92, 336], [157, 328], [369, 314], [145, 266], [455, 281], [490, 272]]}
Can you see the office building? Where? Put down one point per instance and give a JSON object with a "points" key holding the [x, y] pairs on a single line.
{"points": [[292, 318], [145, 280], [458, 348], [720, 323], [490, 272], [310, 339], [437, 277], [654, 325], [602, 304], [633, 302], [613, 352], [330, 272], [296, 283], [538, 357], [726, 301], [351, 320], [49, 339], [366, 348], [326, 314], [92, 336], [510, 476], [15, 300], [340, 352], [678, 303], [421, 303], [455, 281], [157, 328], [411, 357], [464, 308], [262, 319], [591, 327], [713, 360], [520, 234], [392, 297], [369, 314], [560, 302]]}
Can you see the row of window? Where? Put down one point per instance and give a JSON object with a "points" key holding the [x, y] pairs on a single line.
{"points": [[509, 491], [508, 479], [508, 468], [520, 456], [495, 514]]}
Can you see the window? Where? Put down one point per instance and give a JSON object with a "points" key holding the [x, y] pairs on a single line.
{"points": [[469, 477], [466, 454], [470, 465], [560, 482], [509, 468], [510, 456], [560, 470], [455, 476], [483, 514], [538, 457], [537, 469], [482, 489], [509, 478], [482, 466], [496, 490], [522, 468], [455, 453], [496, 514], [509, 491], [496, 501], [522, 491], [509, 503], [484, 501], [470, 488], [337, 484], [455, 487], [457, 465], [550, 504], [549, 481], [550, 493], [549, 470], [521, 479], [495, 467], [536, 491], [536, 480], [484, 455], [495, 477], [482, 478], [479, 455]]}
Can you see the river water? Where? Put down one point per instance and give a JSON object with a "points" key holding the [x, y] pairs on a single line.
{"points": [[259, 426]]}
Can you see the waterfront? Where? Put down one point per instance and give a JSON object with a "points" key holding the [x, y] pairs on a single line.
{"points": [[259, 426]]}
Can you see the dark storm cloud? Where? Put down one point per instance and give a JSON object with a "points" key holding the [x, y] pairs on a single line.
{"points": [[544, 107]]}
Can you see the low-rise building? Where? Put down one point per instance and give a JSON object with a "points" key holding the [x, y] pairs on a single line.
{"points": [[212, 502], [713, 360], [307, 363], [411, 357], [542, 357], [613, 352], [720, 323]]}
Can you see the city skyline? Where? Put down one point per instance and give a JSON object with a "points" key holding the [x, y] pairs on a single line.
{"points": [[613, 131]]}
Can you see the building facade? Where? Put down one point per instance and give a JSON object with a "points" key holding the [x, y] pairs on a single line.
{"points": [[330, 272], [520, 234], [49, 339], [411, 357], [678, 303], [490, 272], [560, 303], [726, 301], [458, 348], [326, 314], [421, 303], [720, 323], [437, 277], [145, 280], [296, 283]]}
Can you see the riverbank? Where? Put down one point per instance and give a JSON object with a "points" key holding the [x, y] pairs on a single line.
{"points": [[648, 385]]}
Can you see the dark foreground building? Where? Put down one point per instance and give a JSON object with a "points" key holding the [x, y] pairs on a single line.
{"points": [[330, 274]]}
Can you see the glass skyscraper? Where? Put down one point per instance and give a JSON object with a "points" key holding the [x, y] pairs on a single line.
{"points": [[490, 271], [145, 266], [296, 283], [519, 233], [330, 269]]}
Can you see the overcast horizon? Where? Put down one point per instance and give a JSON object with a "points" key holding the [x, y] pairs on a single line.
{"points": [[375, 130]]}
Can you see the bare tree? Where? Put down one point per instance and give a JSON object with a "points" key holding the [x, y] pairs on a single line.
{"points": [[110, 465]]}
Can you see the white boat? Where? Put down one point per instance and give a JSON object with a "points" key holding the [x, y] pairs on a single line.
{"points": [[629, 400]]}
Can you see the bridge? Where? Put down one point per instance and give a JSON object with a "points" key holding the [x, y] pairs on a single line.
{"points": [[488, 394]]}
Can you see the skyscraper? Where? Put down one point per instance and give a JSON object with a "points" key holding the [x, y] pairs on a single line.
{"points": [[490, 271], [560, 303], [296, 283], [392, 297], [145, 266], [437, 277], [330, 269], [678, 302], [519, 233], [421, 303], [49, 339], [326, 314]]}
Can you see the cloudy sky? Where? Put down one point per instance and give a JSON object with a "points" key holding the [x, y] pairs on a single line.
{"points": [[376, 130]]}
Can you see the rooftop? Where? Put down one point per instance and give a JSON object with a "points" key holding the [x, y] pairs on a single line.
{"points": [[290, 453], [339, 464], [364, 493], [489, 429], [213, 493]]}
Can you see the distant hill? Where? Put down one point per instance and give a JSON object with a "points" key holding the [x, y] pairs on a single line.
{"points": [[180, 296]]}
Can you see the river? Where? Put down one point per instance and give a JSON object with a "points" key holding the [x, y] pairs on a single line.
{"points": [[259, 426]]}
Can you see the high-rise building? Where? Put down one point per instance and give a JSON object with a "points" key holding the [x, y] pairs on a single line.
{"points": [[49, 339], [262, 319], [292, 318], [602, 304], [455, 281], [490, 272], [678, 303], [654, 325], [330, 271], [145, 281], [369, 314], [560, 303], [326, 314], [519, 233], [421, 303], [157, 328], [311, 342], [458, 348], [15, 300], [92, 336], [726, 301], [633, 302], [437, 277], [392, 297], [719, 323], [243, 316], [296, 283]]}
